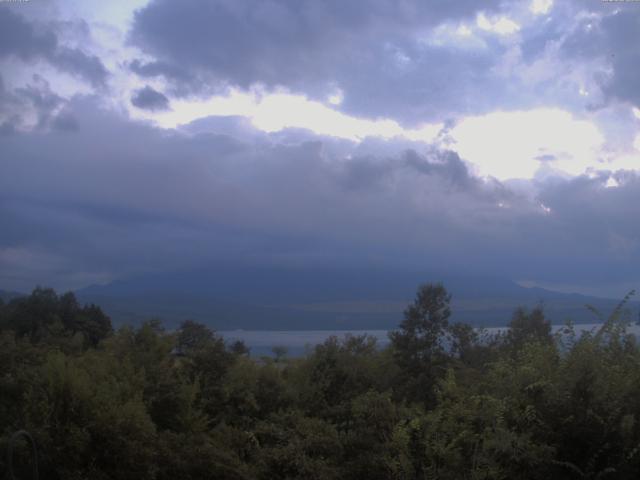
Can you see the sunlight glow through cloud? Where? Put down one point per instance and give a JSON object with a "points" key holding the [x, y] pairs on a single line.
{"points": [[114, 13], [541, 7], [545, 209], [336, 98], [275, 112], [464, 31], [611, 183], [501, 25], [500, 144], [516, 144]]}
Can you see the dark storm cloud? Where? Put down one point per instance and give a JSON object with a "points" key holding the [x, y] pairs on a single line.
{"points": [[18, 37], [34, 99], [383, 56], [546, 158], [8, 105], [599, 219], [607, 32], [375, 51], [65, 121], [269, 42], [76, 62], [149, 99], [623, 35], [371, 173], [448, 166], [89, 206], [29, 41], [181, 81]]}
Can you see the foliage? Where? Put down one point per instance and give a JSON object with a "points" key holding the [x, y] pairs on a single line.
{"points": [[419, 347], [443, 401]]}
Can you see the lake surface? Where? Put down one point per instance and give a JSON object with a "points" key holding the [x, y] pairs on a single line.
{"points": [[299, 342]]}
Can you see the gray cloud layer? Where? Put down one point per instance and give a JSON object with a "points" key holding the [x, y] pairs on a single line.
{"points": [[149, 99], [81, 206], [50, 110], [383, 55], [374, 50], [616, 38], [27, 41], [603, 35], [87, 194]]}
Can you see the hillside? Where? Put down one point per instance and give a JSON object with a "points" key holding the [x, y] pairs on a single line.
{"points": [[305, 299], [6, 295]]}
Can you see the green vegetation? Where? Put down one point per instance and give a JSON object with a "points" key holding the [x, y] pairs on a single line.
{"points": [[443, 401]]}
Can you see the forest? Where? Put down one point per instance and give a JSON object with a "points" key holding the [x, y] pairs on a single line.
{"points": [[442, 401]]}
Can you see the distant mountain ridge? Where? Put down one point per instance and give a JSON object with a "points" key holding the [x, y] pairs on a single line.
{"points": [[6, 295], [262, 298]]}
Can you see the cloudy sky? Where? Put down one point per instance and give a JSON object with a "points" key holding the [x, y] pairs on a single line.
{"points": [[483, 137]]}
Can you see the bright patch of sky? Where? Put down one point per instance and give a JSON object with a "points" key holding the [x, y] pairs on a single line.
{"points": [[275, 112], [499, 25], [625, 160], [114, 13], [516, 144], [611, 290], [463, 36], [504, 145], [611, 183], [541, 7], [336, 98]]}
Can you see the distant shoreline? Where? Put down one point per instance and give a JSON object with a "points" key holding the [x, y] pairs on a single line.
{"points": [[297, 342]]}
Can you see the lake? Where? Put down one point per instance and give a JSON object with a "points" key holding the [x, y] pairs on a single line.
{"points": [[298, 342]]}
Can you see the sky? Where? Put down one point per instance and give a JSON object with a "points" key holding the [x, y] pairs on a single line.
{"points": [[493, 138]]}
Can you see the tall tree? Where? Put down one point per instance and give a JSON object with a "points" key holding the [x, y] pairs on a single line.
{"points": [[528, 327], [419, 346]]}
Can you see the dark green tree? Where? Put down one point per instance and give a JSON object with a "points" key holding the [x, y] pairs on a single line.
{"points": [[419, 346], [529, 327], [206, 360]]}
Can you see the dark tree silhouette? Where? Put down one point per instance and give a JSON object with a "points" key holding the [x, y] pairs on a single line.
{"points": [[419, 345]]}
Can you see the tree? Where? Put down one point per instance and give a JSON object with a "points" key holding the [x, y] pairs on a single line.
{"points": [[207, 361], [239, 348], [31, 316], [529, 327], [93, 324], [280, 353], [419, 345], [193, 336], [44, 314]]}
